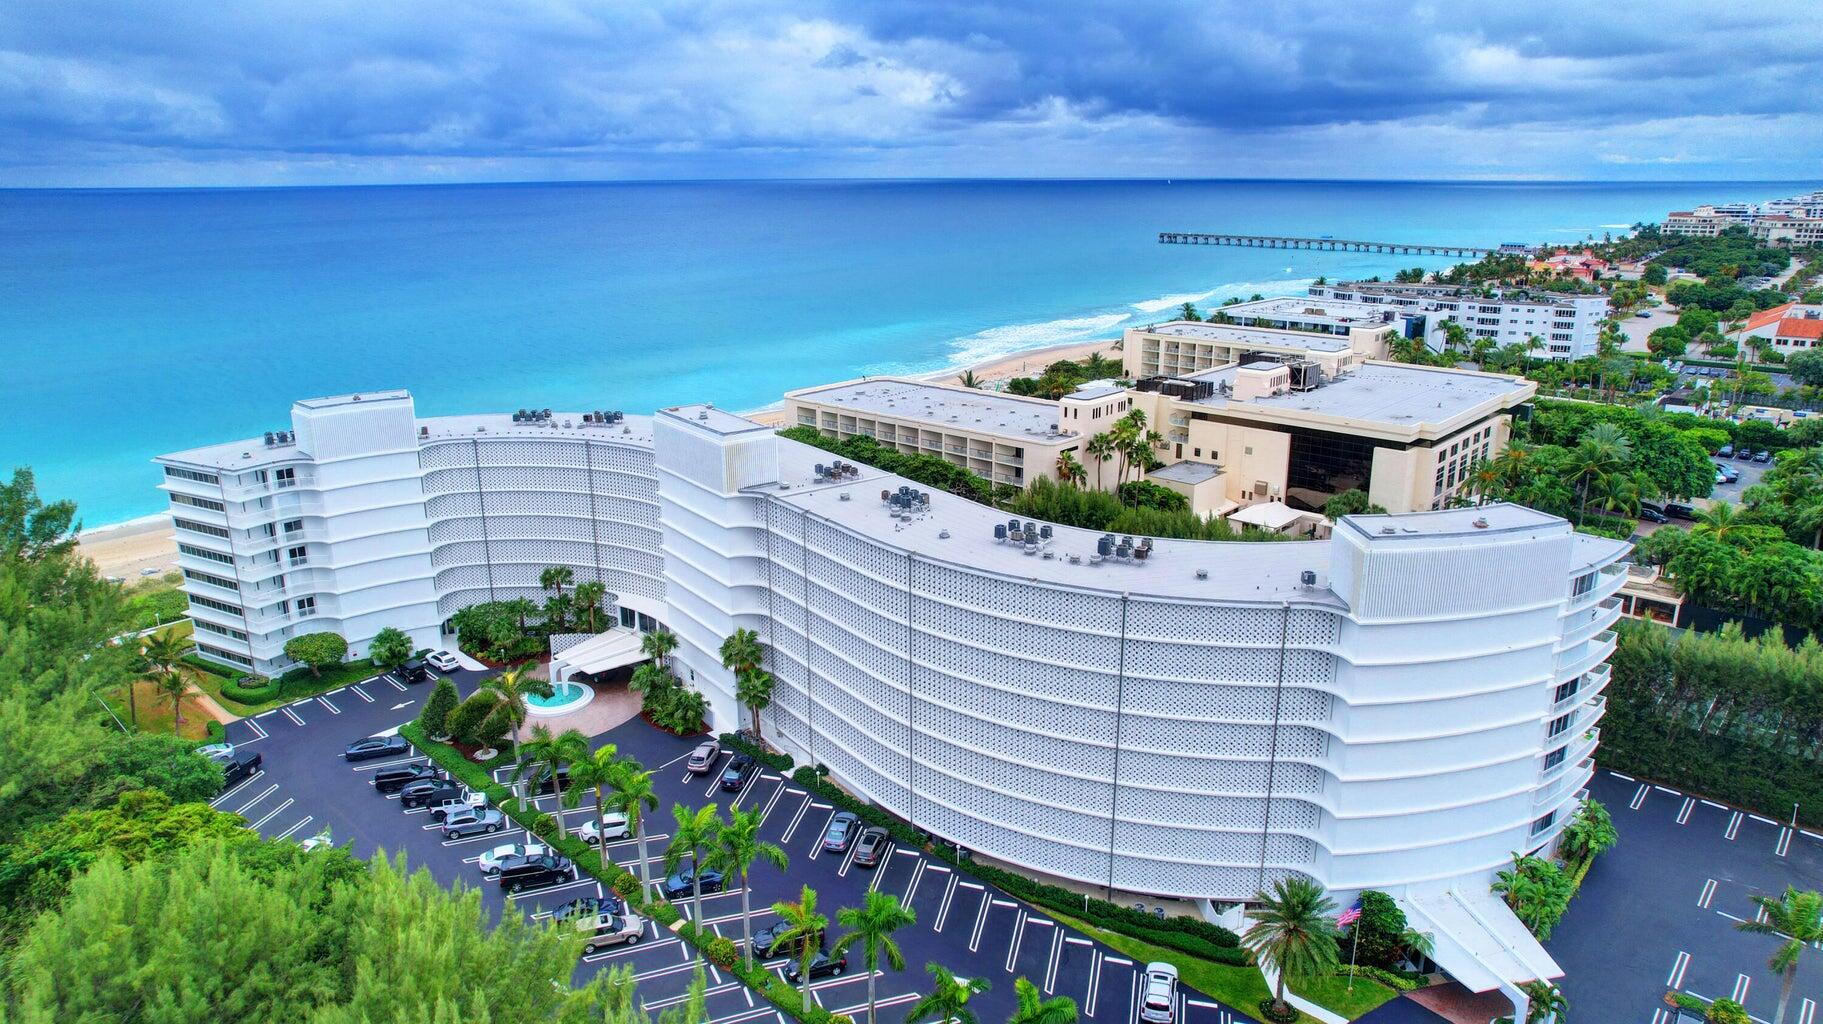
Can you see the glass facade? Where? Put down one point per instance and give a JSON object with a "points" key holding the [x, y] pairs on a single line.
{"points": [[1325, 464]]}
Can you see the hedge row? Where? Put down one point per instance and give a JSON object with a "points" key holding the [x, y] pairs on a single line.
{"points": [[251, 694], [220, 671], [719, 950], [1398, 981], [1191, 935]]}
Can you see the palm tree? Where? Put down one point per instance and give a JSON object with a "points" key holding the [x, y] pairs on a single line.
{"points": [[1187, 311], [755, 691], [630, 793], [556, 578], [161, 652], [1797, 919], [1100, 448], [804, 927], [742, 655], [1069, 470], [871, 925], [1718, 521], [520, 608], [1605, 451], [947, 1001], [546, 754], [658, 646], [595, 773], [1544, 1001], [1294, 930], [588, 595], [1033, 1008], [695, 831], [512, 687], [738, 846], [968, 379], [172, 683]]}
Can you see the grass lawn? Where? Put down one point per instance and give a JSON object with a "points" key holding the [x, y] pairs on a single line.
{"points": [[293, 688], [1239, 987], [1333, 993], [155, 711]]}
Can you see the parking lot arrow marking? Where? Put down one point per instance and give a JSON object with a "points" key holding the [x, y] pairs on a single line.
{"points": [[402, 704]]}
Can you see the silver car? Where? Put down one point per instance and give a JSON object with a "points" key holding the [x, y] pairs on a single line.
{"points": [[703, 757], [604, 930], [472, 821]]}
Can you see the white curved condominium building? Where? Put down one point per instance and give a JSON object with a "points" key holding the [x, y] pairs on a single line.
{"points": [[1400, 707]]}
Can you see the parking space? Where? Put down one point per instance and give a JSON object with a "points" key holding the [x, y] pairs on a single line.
{"points": [[1749, 474], [1659, 910], [305, 786]]}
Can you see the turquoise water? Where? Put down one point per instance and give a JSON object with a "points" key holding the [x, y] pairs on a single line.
{"points": [[561, 694], [136, 322]]}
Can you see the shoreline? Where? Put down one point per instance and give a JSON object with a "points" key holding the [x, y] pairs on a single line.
{"points": [[127, 549]]}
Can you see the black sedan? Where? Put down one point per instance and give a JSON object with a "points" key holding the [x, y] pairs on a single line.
{"points": [[677, 884], [841, 832], [740, 768], [770, 941], [376, 746], [588, 906], [398, 776], [821, 966]]}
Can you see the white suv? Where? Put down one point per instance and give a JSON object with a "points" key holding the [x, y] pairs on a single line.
{"points": [[1159, 1004], [614, 825], [443, 661]]}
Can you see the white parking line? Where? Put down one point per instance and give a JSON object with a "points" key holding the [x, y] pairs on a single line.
{"points": [[624, 950], [272, 814], [1618, 775], [394, 683], [300, 823], [1807, 1012], [1712, 803], [1683, 813], [361, 694], [793, 827], [1707, 894], [1763, 821], [820, 834], [1783, 846], [295, 720], [1741, 983], [248, 781], [579, 883], [264, 793], [1094, 989], [332, 708], [1050, 973], [1639, 797], [949, 893], [974, 937], [912, 886], [1734, 826], [1678, 966], [1012, 948], [259, 733], [1662, 789], [369, 766]]}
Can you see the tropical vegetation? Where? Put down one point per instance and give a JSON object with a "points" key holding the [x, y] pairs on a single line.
{"points": [[1796, 920], [1294, 934]]}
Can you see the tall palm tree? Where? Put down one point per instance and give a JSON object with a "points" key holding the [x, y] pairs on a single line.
{"points": [[968, 379], [755, 691], [804, 928], [658, 646], [1718, 521], [520, 608], [1033, 1008], [1069, 470], [588, 596], [871, 925], [742, 655], [160, 652], [512, 687], [597, 773], [1797, 919], [694, 832], [630, 793], [1187, 311], [738, 845], [1294, 930], [172, 683], [1100, 448], [546, 754], [947, 1001], [556, 578], [1604, 452]]}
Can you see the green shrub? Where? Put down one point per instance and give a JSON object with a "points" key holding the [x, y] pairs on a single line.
{"points": [[1727, 1011], [434, 719], [317, 650], [216, 731], [663, 912], [774, 760], [624, 884], [1395, 980], [465, 724], [721, 951], [251, 694]]}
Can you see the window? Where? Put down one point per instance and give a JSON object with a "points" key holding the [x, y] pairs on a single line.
{"points": [[221, 655], [1566, 690], [212, 580], [286, 477], [213, 556], [1555, 758], [185, 499], [202, 528], [220, 606], [191, 474], [1558, 725], [307, 606], [298, 555], [1583, 585], [205, 624], [1544, 823], [293, 525]]}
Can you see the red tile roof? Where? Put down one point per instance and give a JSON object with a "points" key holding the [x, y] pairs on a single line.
{"points": [[1767, 316], [1801, 327]]}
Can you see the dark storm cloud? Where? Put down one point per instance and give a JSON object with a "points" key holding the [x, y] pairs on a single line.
{"points": [[305, 90]]}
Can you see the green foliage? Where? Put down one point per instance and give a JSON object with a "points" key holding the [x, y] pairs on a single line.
{"points": [[1395, 980], [1377, 938], [1538, 892], [1350, 503], [1726, 1011], [1064, 376], [317, 650], [1750, 568], [1146, 494], [467, 723], [929, 470], [434, 719], [667, 701], [1294, 932], [266, 690], [1590, 832], [389, 649], [1806, 367], [1102, 511]]}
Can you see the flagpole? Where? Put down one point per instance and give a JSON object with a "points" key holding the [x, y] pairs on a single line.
{"points": [[1353, 948]]}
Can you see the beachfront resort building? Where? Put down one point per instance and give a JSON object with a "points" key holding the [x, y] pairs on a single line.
{"points": [[1399, 707], [1792, 222], [1568, 323], [1791, 327]]}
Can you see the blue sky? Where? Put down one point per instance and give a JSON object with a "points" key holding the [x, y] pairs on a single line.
{"points": [[178, 92]]}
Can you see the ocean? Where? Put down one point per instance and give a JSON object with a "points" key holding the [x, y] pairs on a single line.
{"points": [[134, 322]]}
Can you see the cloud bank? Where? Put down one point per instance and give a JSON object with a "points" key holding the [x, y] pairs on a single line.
{"points": [[132, 92]]}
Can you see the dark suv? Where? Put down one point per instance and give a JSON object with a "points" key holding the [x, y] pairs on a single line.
{"points": [[240, 768], [740, 769], [397, 777], [768, 942], [517, 873]]}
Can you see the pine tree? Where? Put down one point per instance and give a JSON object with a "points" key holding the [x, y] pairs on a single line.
{"points": [[434, 719]]}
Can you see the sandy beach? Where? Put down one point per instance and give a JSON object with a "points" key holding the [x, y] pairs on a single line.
{"points": [[126, 550]]}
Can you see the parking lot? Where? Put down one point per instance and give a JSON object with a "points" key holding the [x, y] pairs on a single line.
{"points": [[1659, 910], [305, 785], [1750, 472]]}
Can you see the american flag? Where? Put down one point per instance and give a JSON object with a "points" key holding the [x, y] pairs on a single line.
{"points": [[1349, 916]]}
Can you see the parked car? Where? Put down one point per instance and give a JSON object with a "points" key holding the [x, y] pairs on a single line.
{"points": [[394, 778], [614, 825], [376, 746], [870, 847], [443, 661], [1729, 473], [677, 883], [703, 757], [821, 966], [1743, 455], [490, 862], [1159, 1005], [521, 873], [1651, 514], [428, 793], [465, 800], [1726, 451], [1679, 510], [320, 841], [414, 671], [770, 941], [472, 821], [740, 768], [223, 752], [240, 768], [604, 930], [588, 906], [1644, 314], [841, 832], [1762, 456], [547, 781]]}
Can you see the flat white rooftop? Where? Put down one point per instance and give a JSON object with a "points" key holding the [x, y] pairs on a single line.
{"points": [[1393, 394], [253, 453], [1186, 472], [1251, 337], [1020, 420], [1308, 310]]}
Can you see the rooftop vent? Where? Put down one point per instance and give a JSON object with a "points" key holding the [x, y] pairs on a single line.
{"points": [[1481, 522], [1202, 574], [1308, 577]]}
